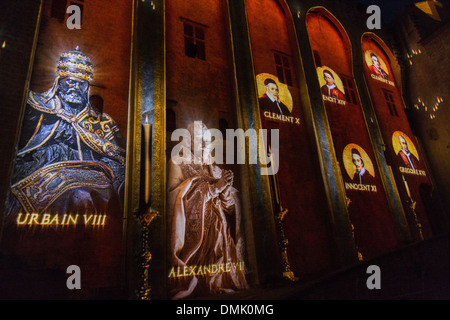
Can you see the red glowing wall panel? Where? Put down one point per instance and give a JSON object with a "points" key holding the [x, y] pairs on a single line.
{"points": [[65, 204], [300, 182], [205, 239], [367, 204]]}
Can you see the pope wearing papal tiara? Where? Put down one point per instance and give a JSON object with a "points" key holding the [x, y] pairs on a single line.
{"points": [[71, 158]]}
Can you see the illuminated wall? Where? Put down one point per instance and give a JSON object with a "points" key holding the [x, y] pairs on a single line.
{"points": [[410, 171], [367, 204], [275, 57], [76, 194], [111, 66], [65, 205]]}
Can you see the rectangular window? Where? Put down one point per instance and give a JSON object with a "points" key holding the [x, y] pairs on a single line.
{"points": [[283, 67], [59, 8], [194, 40], [350, 91], [389, 97]]}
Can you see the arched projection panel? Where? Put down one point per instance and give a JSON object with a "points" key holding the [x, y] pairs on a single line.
{"points": [[275, 61], [67, 202], [402, 150], [367, 204]]}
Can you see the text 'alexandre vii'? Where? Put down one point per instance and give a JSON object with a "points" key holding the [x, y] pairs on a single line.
{"points": [[191, 271]]}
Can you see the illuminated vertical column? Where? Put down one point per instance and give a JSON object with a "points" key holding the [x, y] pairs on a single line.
{"points": [[266, 254], [146, 166]]}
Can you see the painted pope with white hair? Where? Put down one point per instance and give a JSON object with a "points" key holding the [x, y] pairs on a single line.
{"points": [[204, 219]]}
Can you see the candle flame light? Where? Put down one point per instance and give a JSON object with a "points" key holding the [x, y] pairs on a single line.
{"points": [[413, 53], [406, 187], [433, 108]]}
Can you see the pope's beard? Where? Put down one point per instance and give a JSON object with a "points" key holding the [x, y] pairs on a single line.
{"points": [[74, 98]]}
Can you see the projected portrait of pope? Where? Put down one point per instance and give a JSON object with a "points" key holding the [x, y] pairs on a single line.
{"points": [[71, 158]]}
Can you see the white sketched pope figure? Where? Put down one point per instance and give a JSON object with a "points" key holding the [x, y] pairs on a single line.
{"points": [[204, 220]]}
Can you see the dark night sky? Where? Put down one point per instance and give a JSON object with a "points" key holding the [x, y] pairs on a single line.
{"points": [[391, 8]]}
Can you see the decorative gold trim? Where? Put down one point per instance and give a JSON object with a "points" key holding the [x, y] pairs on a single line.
{"points": [[136, 211], [78, 75], [70, 64], [98, 143], [338, 211], [143, 259], [28, 190]]}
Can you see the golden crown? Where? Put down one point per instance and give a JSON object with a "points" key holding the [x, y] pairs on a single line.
{"points": [[75, 64]]}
